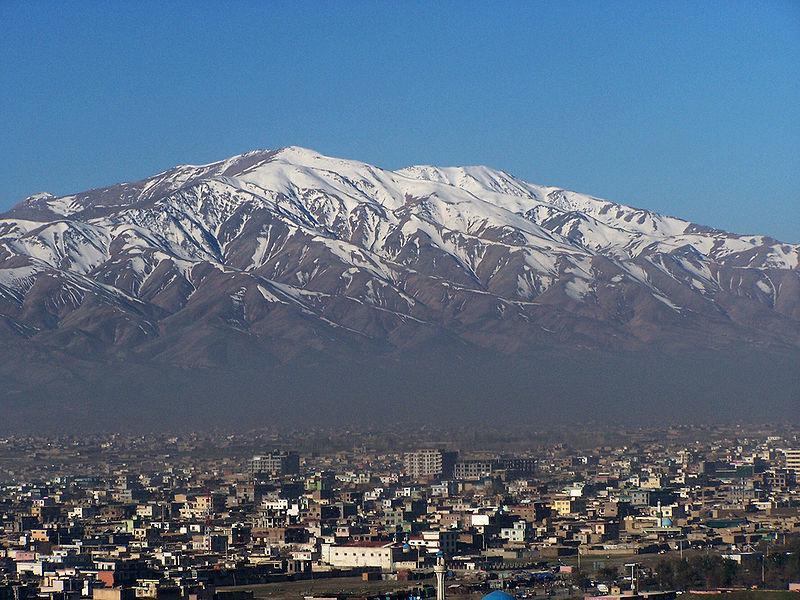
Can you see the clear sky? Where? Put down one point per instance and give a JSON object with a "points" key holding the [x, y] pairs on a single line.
{"points": [[687, 108]]}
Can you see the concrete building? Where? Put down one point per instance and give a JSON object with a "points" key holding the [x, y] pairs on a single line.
{"points": [[276, 463], [386, 556], [793, 461], [430, 463], [470, 470], [436, 541]]}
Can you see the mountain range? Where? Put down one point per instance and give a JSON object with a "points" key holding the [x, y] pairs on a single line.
{"points": [[283, 284]]}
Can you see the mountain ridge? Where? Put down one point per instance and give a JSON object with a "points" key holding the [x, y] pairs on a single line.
{"points": [[272, 255]]}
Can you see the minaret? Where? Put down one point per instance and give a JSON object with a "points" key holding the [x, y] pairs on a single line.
{"points": [[439, 570]]}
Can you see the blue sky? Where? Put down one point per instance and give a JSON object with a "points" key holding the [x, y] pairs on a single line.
{"points": [[687, 108]]}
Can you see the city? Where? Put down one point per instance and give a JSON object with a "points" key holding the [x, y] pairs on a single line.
{"points": [[373, 300], [646, 512]]}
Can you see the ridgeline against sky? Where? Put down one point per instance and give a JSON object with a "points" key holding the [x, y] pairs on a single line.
{"points": [[686, 109]]}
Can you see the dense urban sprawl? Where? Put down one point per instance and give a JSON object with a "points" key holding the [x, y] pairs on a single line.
{"points": [[220, 516]]}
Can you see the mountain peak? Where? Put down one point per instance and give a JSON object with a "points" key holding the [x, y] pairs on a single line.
{"points": [[39, 196], [289, 255], [298, 151], [307, 157]]}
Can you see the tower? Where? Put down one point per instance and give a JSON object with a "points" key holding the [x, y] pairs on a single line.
{"points": [[439, 570]]}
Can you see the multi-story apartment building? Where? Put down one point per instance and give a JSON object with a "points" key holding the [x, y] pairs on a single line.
{"points": [[276, 463], [793, 461], [476, 469], [472, 469], [430, 463]]}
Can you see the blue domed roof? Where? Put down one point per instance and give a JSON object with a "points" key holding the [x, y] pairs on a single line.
{"points": [[498, 595]]}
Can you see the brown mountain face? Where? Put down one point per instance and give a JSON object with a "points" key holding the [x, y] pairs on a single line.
{"points": [[285, 276]]}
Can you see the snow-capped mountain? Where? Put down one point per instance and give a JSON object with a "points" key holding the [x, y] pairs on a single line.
{"points": [[283, 252]]}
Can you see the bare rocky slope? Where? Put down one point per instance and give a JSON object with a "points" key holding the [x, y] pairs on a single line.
{"points": [[281, 279]]}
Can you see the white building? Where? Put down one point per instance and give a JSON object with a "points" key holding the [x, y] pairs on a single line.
{"points": [[436, 541], [515, 533], [387, 556]]}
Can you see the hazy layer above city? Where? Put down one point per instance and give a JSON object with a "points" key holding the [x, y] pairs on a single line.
{"points": [[437, 388]]}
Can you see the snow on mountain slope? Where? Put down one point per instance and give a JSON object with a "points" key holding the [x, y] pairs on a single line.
{"points": [[297, 250]]}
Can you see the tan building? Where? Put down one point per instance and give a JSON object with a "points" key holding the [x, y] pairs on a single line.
{"points": [[567, 505], [793, 461], [430, 463]]}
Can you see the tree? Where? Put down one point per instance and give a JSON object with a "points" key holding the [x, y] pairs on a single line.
{"points": [[580, 580], [608, 574]]}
